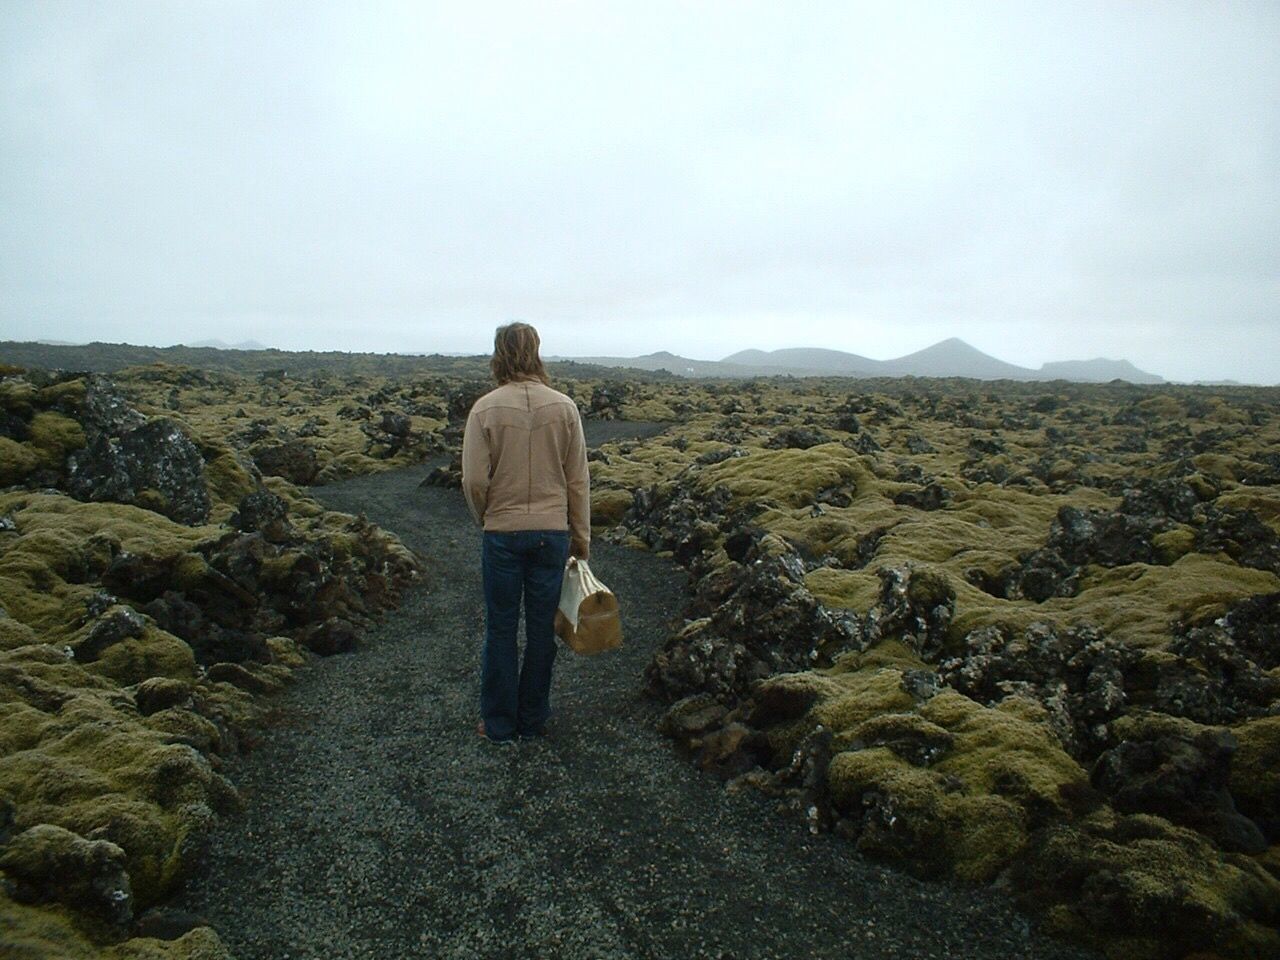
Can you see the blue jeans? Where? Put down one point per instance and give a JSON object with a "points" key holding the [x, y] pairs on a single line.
{"points": [[517, 700]]}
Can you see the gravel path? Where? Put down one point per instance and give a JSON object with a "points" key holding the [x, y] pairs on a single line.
{"points": [[378, 824]]}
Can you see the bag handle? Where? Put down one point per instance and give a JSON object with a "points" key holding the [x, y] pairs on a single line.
{"points": [[590, 582]]}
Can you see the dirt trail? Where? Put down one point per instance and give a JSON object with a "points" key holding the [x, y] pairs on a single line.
{"points": [[378, 824]]}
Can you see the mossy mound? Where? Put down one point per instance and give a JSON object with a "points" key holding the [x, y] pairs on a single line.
{"points": [[1141, 888], [40, 933], [948, 787]]}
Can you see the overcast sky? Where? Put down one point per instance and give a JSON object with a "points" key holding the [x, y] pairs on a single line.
{"points": [[1045, 181]]}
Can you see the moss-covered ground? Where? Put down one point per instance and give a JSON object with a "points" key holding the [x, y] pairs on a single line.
{"points": [[965, 482], [958, 480], [113, 729]]}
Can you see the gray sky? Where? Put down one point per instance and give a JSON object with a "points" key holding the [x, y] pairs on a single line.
{"points": [[1045, 181]]}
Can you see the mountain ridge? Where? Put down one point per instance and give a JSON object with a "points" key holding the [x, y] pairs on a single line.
{"points": [[951, 357]]}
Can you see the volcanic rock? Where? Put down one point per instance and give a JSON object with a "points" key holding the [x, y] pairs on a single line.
{"points": [[294, 460], [120, 624], [263, 511], [130, 459], [1077, 675], [915, 605], [798, 438], [1241, 536], [934, 496], [447, 475], [1184, 780]]}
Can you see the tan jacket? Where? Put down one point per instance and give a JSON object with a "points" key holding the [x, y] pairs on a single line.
{"points": [[524, 463]]}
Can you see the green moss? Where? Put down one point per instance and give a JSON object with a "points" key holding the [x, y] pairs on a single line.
{"points": [[999, 752], [99, 773], [851, 589], [227, 478], [55, 436], [1173, 544], [847, 699], [150, 837], [1149, 724], [64, 544], [45, 932], [1264, 501], [1140, 887], [790, 477], [155, 654], [21, 725], [1137, 602], [991, 772], [1219, 466], [14, 634], [990, 833], [53, 932], [17, 396], [853, 773], [67, 394], [886, 653], [179, 725], [16, 461], [201, 943], [648, 410], [1255, 769], [608, 506]]}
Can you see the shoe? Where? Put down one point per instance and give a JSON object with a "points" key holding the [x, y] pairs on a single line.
{"points": [[484, 733], [537, 735]]}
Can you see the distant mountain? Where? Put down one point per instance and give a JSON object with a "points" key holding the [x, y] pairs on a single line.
{"points": [[664, 360], [1099, 370], [809, 359], [954, 358], [223, 345]]}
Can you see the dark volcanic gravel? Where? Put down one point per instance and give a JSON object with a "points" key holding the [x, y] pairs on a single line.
{"points": [[378, 824]]}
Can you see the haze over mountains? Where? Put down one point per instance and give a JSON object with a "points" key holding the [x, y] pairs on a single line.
{"points": [[947, 358]]}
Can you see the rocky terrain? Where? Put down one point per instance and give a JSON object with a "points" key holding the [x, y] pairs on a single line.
{"points": [[1010, 634], [1002, 633], [156, 586]]}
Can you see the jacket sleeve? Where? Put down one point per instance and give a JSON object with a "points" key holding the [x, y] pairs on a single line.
{"points": [[578, 479], [475, 467]]}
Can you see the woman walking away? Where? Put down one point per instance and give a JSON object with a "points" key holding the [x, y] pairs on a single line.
{"points": [[524, 474]]}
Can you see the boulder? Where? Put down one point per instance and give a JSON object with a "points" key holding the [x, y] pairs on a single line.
{"points": [[150, 463], [1183, 779], [295, 460], [262, 510], [797, 438]]}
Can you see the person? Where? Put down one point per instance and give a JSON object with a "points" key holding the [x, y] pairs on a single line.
{"points": [[525, 479]]}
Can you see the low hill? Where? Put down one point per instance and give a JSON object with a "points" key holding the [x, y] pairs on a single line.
{"points": [[223, 345], [1098, 370], [809, 359]]}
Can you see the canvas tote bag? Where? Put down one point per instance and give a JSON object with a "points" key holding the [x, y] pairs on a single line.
{"points": [[587, 619]]}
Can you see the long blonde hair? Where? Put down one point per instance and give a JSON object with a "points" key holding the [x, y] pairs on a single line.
{"points": [[515, 354]]}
